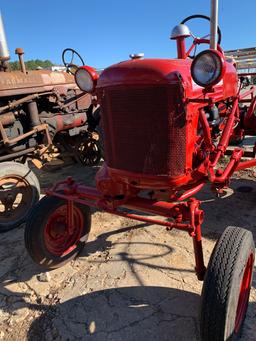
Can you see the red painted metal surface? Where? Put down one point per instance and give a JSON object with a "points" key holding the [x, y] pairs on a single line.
{"points": [[246, 164], [92, 72], [184, 215], [161, 146], [181, 48], [244, 293], [67, 121], [162, 94], [63, 231]]}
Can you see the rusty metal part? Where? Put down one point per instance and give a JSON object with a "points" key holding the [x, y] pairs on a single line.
{"points": [[16, 155], [79, 97], [84, 101], [37, 163], [23, 100], [43, 149], [19, 51], [40, 152], [18, 83], [54, 96], [7, 118], [15, 197], [36, 129], [18, 102], [34, 114], [61, 122]]}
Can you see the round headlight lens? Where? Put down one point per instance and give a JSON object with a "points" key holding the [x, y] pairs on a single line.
{"points": [[207, 68], [84, 80]]}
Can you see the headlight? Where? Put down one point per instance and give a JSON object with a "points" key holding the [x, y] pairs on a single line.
{"points": [[86, 78], [207, 68]]}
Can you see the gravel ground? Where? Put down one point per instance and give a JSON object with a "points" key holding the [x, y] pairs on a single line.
{"points": [[133, 281]]}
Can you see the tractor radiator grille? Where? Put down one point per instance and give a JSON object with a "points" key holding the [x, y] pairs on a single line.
{"points": [[145, 130]]}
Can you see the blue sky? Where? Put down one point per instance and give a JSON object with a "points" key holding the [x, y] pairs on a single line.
{"points": [[105, 32]]}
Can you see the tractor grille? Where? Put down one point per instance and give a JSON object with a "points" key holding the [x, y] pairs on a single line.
{"points": [[145, 130]]}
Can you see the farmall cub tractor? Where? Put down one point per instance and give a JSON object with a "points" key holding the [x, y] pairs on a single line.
{"points": [[41, 112], [167, 123]]}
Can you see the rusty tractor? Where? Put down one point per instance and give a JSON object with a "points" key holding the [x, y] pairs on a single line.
{"points": [[41, 111], [167, 123]]}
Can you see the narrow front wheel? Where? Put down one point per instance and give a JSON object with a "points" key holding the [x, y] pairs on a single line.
{"points": [[49, 239]]}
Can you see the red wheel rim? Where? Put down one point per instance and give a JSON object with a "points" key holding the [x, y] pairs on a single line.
{"points": [[244, 293], [59, 239]]}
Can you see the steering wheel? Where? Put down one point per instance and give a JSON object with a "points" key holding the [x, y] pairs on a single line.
{"points": [[201, 16], [71, 67]]}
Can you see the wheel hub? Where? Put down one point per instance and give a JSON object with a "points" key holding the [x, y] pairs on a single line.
{"points": [[57, 237], [15, 197]]}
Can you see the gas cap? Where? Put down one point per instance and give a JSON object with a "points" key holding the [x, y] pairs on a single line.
{"points": [[136, 55]]}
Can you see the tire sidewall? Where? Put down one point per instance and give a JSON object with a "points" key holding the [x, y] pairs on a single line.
{"points": [[222, 283], [12, 169], [234, 291]]}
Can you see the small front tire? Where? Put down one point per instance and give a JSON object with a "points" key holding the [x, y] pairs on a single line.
{"points": [[47, 237]]}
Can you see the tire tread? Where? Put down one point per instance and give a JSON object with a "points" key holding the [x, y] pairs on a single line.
{"points": [[218, 281]]}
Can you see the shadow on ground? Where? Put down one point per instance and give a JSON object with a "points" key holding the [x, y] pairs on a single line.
{"points": [[132, 313], [127, 314], [20, 269], [151, 313]]}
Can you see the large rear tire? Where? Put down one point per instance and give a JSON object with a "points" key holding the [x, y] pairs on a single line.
{"points": [[47, 237], [227, 285], [19, 191]]}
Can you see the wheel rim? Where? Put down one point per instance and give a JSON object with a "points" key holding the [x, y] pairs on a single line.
{"points": [[89, 153], [16, 198], [244, 293], [59, 239]]}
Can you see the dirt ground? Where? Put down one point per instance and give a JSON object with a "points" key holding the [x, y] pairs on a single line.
{"points": [[133, 281]]}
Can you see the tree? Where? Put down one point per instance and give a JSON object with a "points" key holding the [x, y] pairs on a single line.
{"points": [[32, 64]]}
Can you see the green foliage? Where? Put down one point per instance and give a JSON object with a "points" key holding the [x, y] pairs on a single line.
{"points": [[32, 64]]}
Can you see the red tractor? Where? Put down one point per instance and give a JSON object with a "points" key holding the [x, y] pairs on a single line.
{"points": [[167, 123]]}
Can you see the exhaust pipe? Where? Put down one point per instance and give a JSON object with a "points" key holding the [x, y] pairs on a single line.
{"points": [[4, 52], [214, 23]]}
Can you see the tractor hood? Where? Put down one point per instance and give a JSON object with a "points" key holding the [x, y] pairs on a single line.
{"points": [[145, 71], [19, 83], [153, 72]]}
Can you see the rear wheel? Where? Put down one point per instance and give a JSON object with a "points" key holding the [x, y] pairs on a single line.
{"points": [[48, 239], [89, 152], [227, 285], [19, 191]]}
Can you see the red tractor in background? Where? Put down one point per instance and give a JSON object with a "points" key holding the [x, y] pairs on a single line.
{"points": [[42, 113], [167, 123]]}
